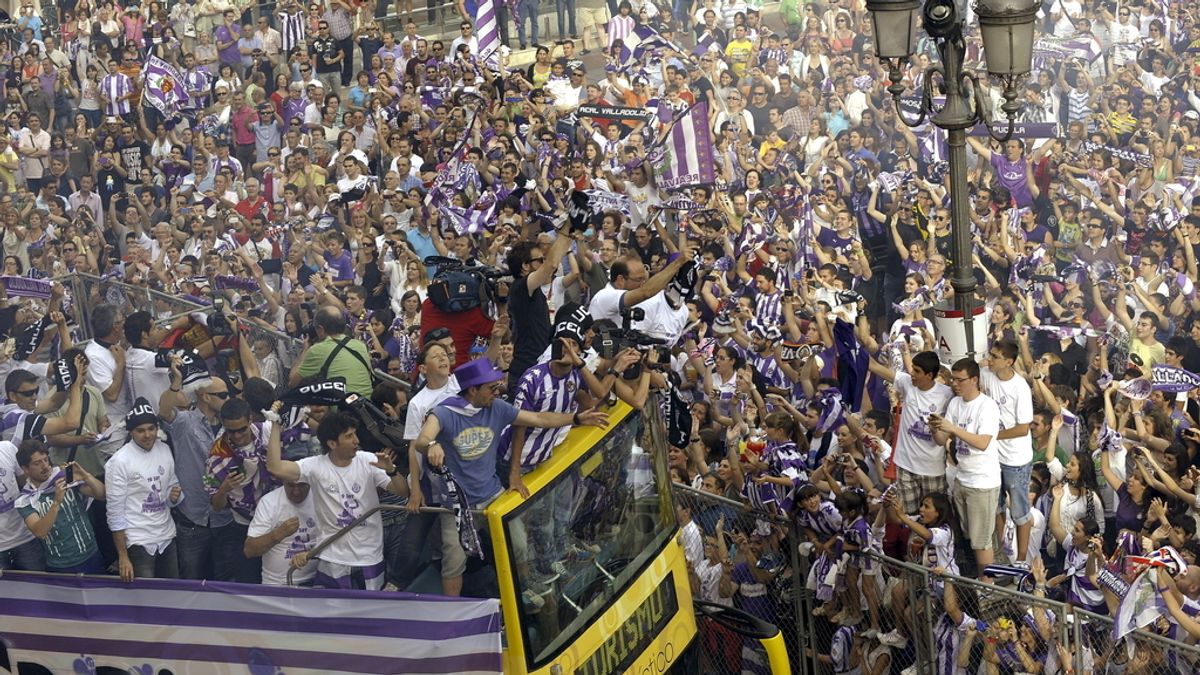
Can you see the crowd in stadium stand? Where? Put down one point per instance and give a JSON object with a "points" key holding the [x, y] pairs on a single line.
{"points": [[425, 209]]}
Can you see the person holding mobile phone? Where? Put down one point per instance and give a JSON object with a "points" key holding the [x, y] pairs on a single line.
{"points": [[969, 429], [54, 507]]}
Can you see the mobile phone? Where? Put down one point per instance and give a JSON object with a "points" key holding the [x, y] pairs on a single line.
{"points": [[557, 350]]}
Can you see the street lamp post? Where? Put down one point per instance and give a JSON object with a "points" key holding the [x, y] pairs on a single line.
{"points": [[1006, 27]]}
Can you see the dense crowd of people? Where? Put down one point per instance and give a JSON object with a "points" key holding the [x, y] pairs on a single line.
{"points": [[310, 175]]}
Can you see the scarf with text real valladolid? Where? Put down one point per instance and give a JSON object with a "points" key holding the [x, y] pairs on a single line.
{"points": [[464, 519]]}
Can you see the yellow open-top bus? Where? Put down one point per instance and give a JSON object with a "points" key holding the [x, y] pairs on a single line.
{"points": [[624, 604]]}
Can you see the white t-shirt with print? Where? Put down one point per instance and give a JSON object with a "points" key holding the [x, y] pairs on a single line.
{"points": [[979, 469], [340, 495], [13, 532], [273, 510], [1015, 400], [915, 450]]}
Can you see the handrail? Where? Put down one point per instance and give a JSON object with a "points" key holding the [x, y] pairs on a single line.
{"points": [[733, 503], [1061, 608], [360, 520], [295, 343]]}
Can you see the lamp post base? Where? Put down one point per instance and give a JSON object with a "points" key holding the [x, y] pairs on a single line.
{"points": [[954, 340]]}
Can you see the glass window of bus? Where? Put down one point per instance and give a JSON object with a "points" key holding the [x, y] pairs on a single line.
{"points": [[577, 544]]}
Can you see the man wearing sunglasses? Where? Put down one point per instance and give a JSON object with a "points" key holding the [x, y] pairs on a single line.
{"points": [[236, 477], [206, 538]]}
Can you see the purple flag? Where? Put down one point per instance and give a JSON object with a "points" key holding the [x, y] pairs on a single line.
{"points": [[684, 156], [643, 39], [163, 86], [467, 220]]}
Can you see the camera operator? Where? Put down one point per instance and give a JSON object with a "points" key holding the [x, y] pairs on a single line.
{"points": [[335, 354], [533, 268], [629, 285]]}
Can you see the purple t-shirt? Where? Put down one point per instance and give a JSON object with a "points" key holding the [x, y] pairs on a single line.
{"points": [[1129, 515], [341, 267], [830, 239], [230, 54], [1012, 176]]}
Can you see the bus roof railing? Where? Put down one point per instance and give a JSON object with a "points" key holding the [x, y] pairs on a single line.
{"points": [[362, 519]]}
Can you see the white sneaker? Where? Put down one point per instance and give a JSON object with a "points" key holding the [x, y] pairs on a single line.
{"points": [[532, 601], [911, 670], [892, 638], [559, 568], [870, 633]]}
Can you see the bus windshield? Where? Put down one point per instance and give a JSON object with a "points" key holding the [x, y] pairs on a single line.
{"points": [[577, 544]]}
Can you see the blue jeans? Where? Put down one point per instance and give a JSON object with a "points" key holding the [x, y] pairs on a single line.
{"points": [[394, 553], [528, 9], [1014, 484], [29, 557], [233, 539], [147, 565], [206, 552], [566, 7]]}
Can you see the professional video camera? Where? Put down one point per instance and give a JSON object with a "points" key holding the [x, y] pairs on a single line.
{"points": [[218, 323], [458, 286], [615, 340]]}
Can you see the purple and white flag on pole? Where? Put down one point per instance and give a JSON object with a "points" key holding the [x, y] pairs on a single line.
{"points": [[488, 32], [684, 156], [641, 40], [467, 220], [63, 624], [163, 86]]}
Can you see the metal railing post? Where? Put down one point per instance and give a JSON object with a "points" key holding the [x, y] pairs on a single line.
{"points": [[927, 624], [798, 591], [312, 555]]}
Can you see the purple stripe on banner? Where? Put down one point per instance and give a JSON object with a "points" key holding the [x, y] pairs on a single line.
{"points": [[489, 15], [158, 616], [281, 658], [26, 287], [241, 590], [680, 143], [703, 144]]}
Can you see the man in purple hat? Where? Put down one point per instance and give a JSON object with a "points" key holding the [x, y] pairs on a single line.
{"points": [[463, 432]]}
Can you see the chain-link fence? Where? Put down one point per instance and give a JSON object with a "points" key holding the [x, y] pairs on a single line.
{"points": [[878, 615], [933, 624], [742, 558]]}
